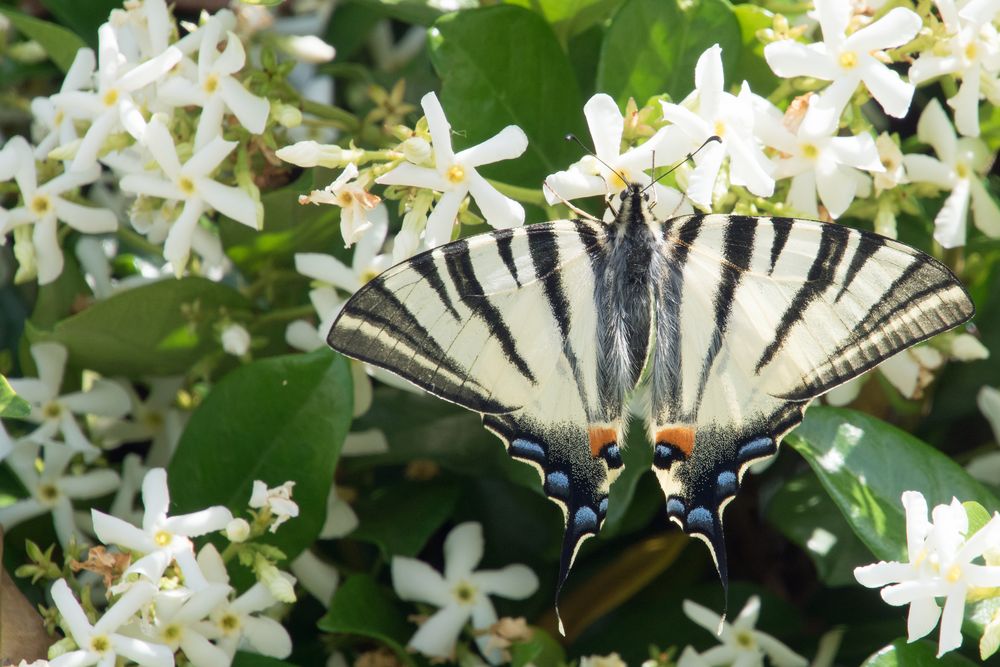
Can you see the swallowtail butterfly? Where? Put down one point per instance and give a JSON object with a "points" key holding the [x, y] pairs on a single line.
{"points": [[733, 323]]}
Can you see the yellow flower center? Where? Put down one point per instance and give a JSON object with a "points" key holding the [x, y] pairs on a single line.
{"points": [[100, 644], [172, 633], [368, 275], [162, 538], [962, 170], [60, 117], [41, 205], [619, 179], [186, 185], [154, 419], [720, 129], [971, 51], [464, 592], [455, 174], [810, 151], [211, 83], [110, 98], [745, 639], [848, 59], [954, 574], [344, 199], [48, 493], [52, 410], [229, 623]]}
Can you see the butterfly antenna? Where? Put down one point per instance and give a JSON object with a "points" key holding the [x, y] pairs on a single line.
{"points": [[690, 156], [573, 137]]}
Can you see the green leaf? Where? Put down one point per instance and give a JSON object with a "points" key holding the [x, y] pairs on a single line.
{"points": [[978, 516], [541, 650], [866, 464], [244, 659], [807, 516], [60, 43], [289, 227], [279, 419], [752, 67], [401, 518], [361, 607], [11, 405], [918, 654], [638, 457], [570, 17], [652, 46], [157, 329], [501, 66], [418, 12], [83, 17]]}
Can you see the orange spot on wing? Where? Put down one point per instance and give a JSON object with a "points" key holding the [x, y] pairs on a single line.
{"points": [[681, 437], [600, 436]]}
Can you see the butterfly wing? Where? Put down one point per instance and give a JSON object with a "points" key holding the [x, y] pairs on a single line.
{"points": [[505, 324], [757, 316]]}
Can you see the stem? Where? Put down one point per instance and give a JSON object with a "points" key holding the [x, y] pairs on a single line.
{"points": [[526, 195], [284, 314], [338, 117], [139, 241]]}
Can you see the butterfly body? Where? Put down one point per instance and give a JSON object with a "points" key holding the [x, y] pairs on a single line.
{"points": [[732, 323]]}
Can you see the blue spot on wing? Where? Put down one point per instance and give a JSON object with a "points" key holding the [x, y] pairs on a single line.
{"points": [[755, 449], [700, 519], [585, 520], [726, 483], [675, 507], [557, 484], [527, 449], [603, 507]]}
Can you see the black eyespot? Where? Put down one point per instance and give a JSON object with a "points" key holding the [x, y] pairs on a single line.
{"points": [[645, 197]]}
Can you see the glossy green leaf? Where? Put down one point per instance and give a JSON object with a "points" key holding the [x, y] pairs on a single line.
{"points": [[501, 66], [541, 650], [401, 518], [275, 420], [84, 18], [638, 457], [244, 659], [570, 17], [866, 464], [157, 329], [651, 47], [59, 43], [361, 607], [752, 67], [11, 405], [918, 654], [805, 514], [419, 12]]}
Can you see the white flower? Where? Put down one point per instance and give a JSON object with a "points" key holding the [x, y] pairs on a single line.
{"points": [[340, 517], [940, 554], [956, 170], [711, 111], [319, 578], [986, 467], [178, 623], [461, 593], [162, 538], [54, 413], [99, 644], [612, 170], [847, 60], [972, 53], [742, 643], [235, 340], [354, 201], [611, 660], [43, 207], [192, 184], [52, 490], [819, 162], [278, 500], [155, 417], [112, 105], [910, 371], [892, 160], [216, 89], [236, 624], [455, 175], [53, 117]]}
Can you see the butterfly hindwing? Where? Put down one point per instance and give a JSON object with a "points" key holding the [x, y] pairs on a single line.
{"points": [[757, 316]]}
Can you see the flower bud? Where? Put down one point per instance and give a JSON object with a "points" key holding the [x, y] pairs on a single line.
{"points": [[238, 530], [235, 340], [309, 49], [286, 115], [416, 150], [313, 154]]}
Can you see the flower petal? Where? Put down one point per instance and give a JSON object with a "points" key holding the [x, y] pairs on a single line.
{"points": [[91, 484], [951, 623], [515, 582], [105, 398], [72, 612], [882, 573], [199, 523], [778, 652], [701, 183], [925, 169], [417, 581], [112, 530], [209, 157], [573, 183], [966, 103], [440, 131], [177, 246], [500, 211], [985, 211], [233, 57], [836, 187], [894, 29], [463, 549], [201, 652], [411, 174], [922, 617], [483, 617], [606, 126], [142, 652], [50, 359], [437, 636], [703, 616], [934, 129], [267, 636], [328, 269], [709, 80], [949, 224], [441, 221], [788, 58], [248, 108], [888, 88], [48, 252], [507, 144], [137, 596], [87, 219]]}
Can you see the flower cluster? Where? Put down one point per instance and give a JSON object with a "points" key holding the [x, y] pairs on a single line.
{"points": [[164, 597], [942, 562]]}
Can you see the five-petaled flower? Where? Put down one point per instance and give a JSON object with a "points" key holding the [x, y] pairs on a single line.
{"points": [[461, 593], [455, 176]]}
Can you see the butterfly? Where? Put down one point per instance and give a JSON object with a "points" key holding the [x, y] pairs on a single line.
{"points": [[732, 324]]}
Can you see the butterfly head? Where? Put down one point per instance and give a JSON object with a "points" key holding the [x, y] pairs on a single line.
{"points": [[630, 203]]}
